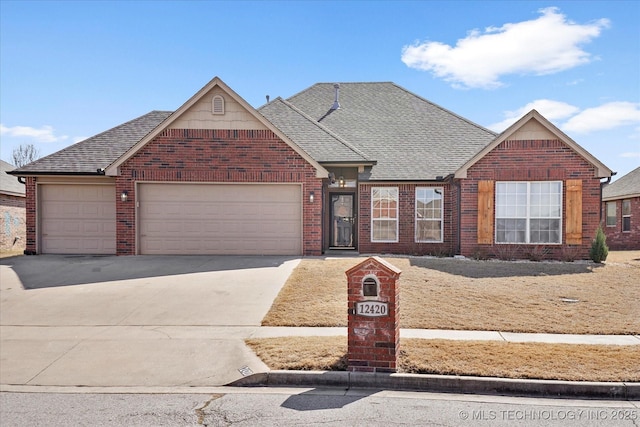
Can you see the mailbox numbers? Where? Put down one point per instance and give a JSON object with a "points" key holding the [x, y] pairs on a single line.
{"points": [[372, 308]]}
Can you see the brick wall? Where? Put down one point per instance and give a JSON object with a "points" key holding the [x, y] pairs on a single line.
{"points": [[373, 342], [531, 160], [218, 156], [12, 223], [30, 215], [406, 215], [617, 239]]}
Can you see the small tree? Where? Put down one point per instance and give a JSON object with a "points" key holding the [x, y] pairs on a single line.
{"points": [[599, 249], [25, 154]]}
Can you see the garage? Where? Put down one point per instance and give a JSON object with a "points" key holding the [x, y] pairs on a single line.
{"points": [[77, 218], [219, 219]]}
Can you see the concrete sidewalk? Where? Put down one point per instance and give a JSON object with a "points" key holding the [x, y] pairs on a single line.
{"points": [[266, 332]]}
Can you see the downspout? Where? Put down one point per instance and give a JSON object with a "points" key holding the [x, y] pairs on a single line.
{"points": [[459, 215], [450, 179], [602, 184], [21, 180]]}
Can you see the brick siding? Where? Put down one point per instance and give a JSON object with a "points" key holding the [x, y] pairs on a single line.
{"points": [[12, 223], [406, 216], [218, 156], [30, 215], [617, 239], [531, 160]]}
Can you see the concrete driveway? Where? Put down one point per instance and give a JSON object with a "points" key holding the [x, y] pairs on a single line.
{"points": [[133, 321]]}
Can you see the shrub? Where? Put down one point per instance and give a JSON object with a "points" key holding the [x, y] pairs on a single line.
{"points": [[570, 253], [599, 249], [506, 252], [537, 253]]}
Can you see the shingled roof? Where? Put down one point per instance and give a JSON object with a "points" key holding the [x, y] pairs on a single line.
{"points": [[624, 187], [9, 184], [401, 135], [310, 135], [97, 152], [409, 137]]}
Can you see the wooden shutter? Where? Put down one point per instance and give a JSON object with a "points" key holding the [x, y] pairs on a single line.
{"points": [[574, 212], [485, 212]]}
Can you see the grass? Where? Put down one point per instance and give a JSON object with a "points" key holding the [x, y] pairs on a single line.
{"points": [[11, 253], [474, 358], [445, 293]]}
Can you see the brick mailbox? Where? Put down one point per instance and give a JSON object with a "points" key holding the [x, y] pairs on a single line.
{"points": [[373, 326]]}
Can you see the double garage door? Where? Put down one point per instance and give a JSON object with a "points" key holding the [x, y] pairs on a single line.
{"points": [[191, 219], [233, 219]]}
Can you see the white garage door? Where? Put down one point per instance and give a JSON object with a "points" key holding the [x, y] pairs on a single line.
{"points": [[77, 219], [233, 219]]}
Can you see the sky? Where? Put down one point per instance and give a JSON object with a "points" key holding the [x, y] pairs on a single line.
{"points": [[70, 70]]}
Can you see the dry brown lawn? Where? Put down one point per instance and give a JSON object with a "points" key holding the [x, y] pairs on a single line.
{"points": [[10, 253], [446, 293], [476, 358]]}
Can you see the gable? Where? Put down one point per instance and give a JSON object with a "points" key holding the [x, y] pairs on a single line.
{"points": [[534, 127], [194, 113], [200, 115], [532, 130]]}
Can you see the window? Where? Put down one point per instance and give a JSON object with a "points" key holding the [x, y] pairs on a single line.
{"points": [[626, 215], [428, 214], [384, 214], [611, 214], [528, 212]]}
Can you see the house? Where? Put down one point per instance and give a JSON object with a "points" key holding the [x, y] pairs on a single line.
{"points": [[621, 212], [12, 203], [368, 167]]}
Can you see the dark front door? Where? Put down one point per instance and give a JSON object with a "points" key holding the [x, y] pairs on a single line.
{"points": [[343, 221]]}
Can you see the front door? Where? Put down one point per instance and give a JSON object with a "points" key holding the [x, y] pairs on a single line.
{"points": [[343, 221]]}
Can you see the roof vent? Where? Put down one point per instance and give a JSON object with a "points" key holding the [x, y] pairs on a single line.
{"points": [[217, 105], [336, 103]]}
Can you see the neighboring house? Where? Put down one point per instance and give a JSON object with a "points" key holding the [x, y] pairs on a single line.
{"points": [[12, 219], [369, 167], [621, 212]]}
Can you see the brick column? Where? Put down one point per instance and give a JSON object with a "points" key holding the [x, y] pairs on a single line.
{"points": [[374, 318]]}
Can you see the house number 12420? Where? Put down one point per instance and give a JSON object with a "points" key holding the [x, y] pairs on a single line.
{"points": [[372, 308]]}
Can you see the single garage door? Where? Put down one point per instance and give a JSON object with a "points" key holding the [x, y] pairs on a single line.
{"points": [[77, 219], [233, 219]]}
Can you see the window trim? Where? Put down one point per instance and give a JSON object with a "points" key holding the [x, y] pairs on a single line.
{"points": [[628, 201], [396, 219], [615, 214], [441, 218], [528, 217]]}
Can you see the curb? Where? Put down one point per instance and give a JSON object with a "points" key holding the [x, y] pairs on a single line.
{"points": [[444, 384]]}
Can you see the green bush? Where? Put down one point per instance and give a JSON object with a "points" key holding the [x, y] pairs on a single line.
{"points": [[599, 249]]}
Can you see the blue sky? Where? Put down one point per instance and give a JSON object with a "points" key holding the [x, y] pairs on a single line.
{"points": [[69, 70]]}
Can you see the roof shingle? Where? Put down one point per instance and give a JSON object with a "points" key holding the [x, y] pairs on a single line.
{"points": [[625, 186], [99, 151], [409, 137]]}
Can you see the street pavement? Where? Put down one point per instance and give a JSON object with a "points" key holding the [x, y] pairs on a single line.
{"points": [[157, 321]]}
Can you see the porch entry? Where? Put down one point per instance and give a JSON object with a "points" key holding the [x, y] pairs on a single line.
{"points": [[343, 220]]}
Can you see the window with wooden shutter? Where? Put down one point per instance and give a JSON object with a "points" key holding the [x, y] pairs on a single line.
{"points": [[574, 212], [485, 212]]}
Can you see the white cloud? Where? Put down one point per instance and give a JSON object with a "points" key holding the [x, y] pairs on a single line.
{"points": [[630, 155], [546, 45], [607, 116], [44, 134], [552, 110]]}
